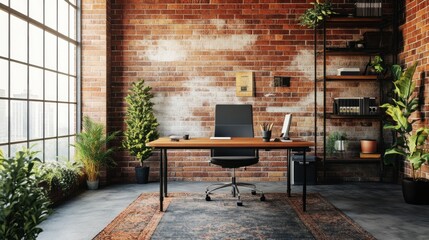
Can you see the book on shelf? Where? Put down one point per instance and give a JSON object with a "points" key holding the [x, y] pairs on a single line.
{"points": [[370, 155]]}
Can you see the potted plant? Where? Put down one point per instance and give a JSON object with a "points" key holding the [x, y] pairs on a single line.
{"points": [[141, 126], [23, 203], [375, 66], [312, 17], [409, 141], [92, 151], [336, 142]]}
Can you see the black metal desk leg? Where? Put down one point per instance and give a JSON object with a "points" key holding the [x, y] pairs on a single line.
{"points": [[304, 186], [165, 172], [288, 171], [161, 179]]}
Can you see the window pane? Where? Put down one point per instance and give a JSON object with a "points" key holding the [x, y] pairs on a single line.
{"points": [[72, 89], [51, 14], [4, 36], [72, 150], [72, 61], [36, 46], [4, 150], [36, 10], [19, 5], [63, 149], [18, 121], [36, 120], [36, 83], [4, 78], [50, 150], [6, 2], [63, 119], [18, 80], [18, 39], [63, 56], [3, 120], [63, 88], [72, 119], [37, 146], [50, 86], [63, 13], [50, 119], [72, 22], [14, 148], [50, 51]]}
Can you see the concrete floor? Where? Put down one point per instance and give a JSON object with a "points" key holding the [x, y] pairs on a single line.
{"points": [[377, 207]]}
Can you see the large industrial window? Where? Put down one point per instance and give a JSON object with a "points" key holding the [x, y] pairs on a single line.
{"points": [[38, 77]]}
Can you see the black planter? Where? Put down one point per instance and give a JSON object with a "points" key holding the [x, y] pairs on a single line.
{"points": [[415, 191], [142, 174]]}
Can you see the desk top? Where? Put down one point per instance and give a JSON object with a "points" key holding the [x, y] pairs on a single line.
{"points": [[235, 142]]}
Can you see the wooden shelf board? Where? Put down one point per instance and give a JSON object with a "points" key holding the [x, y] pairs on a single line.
{"points": [[370, 22], [336, 51], [352, 160], [335, 116], [352, 78]]}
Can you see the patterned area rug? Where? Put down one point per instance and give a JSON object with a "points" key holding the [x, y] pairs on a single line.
{"points": [[189, 216]]}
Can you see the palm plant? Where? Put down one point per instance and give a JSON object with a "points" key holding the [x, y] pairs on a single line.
{"points": [[409, 143], [91, 148]]}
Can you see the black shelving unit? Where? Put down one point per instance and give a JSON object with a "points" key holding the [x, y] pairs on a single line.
{"points": [[379, 23]]}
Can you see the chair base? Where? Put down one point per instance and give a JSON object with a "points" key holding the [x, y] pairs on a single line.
{"points": [[235, 192]]}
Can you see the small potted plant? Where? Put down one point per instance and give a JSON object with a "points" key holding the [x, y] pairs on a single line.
{"points": [[336, 142], [409, 141], [141, 126], [312, 17], [375, 66], [92, 150]]}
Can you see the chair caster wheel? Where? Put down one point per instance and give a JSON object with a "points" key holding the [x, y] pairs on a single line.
{"points": [[262, 198], [208, 198], [240, 204], [253, 192]]}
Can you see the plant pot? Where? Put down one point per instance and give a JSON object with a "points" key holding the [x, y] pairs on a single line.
{"points": [[340, 145], [415, 191], [142, 174], [92, 185], [368, 146]]}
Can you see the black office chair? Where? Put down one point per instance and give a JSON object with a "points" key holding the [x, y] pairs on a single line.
{"points": [[234, 121]]}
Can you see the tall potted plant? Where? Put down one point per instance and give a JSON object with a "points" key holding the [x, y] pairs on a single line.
{"points": [[409, 142], [92, 150], [141, 126]]}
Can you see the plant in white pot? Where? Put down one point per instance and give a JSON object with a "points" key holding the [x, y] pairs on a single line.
{"points": [[141, 126], [409, 141], [92, 150]]}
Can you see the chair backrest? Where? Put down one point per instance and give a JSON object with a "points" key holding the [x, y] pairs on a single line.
{"points": [[233, 120]]}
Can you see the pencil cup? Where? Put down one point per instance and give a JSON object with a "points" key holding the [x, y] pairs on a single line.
{"points": [[266, 136]]}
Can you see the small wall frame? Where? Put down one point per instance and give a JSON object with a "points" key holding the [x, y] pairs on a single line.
{"points": [[244, 84]]}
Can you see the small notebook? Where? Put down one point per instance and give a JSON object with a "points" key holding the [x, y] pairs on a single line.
{"points": [[220, 138]]}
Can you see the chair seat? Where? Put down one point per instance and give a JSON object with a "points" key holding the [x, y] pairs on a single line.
{"points": [[234, 161]]}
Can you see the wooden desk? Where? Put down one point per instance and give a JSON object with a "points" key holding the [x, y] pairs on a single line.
{"points": [[205, 143]]}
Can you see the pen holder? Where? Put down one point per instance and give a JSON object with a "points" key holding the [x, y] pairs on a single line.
{"points": [[266, 136]]}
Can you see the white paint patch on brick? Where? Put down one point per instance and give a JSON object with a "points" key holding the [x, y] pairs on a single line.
{"points": [[229, 42], [167, 51], [176, 113]]}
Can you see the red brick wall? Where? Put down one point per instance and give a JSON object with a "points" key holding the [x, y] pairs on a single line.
{"points": [[415, 33], [189, 52]]}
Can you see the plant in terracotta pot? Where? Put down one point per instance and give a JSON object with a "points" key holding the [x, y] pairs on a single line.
{"points": [[312, 17], [141, 126], [409, 141], [92, 150]]}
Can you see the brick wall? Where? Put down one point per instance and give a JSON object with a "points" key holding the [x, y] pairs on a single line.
{"points": [[189, 52], [415, 34]]}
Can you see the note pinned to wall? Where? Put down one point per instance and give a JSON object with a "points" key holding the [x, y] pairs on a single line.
{"points": [[244, 84]]}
